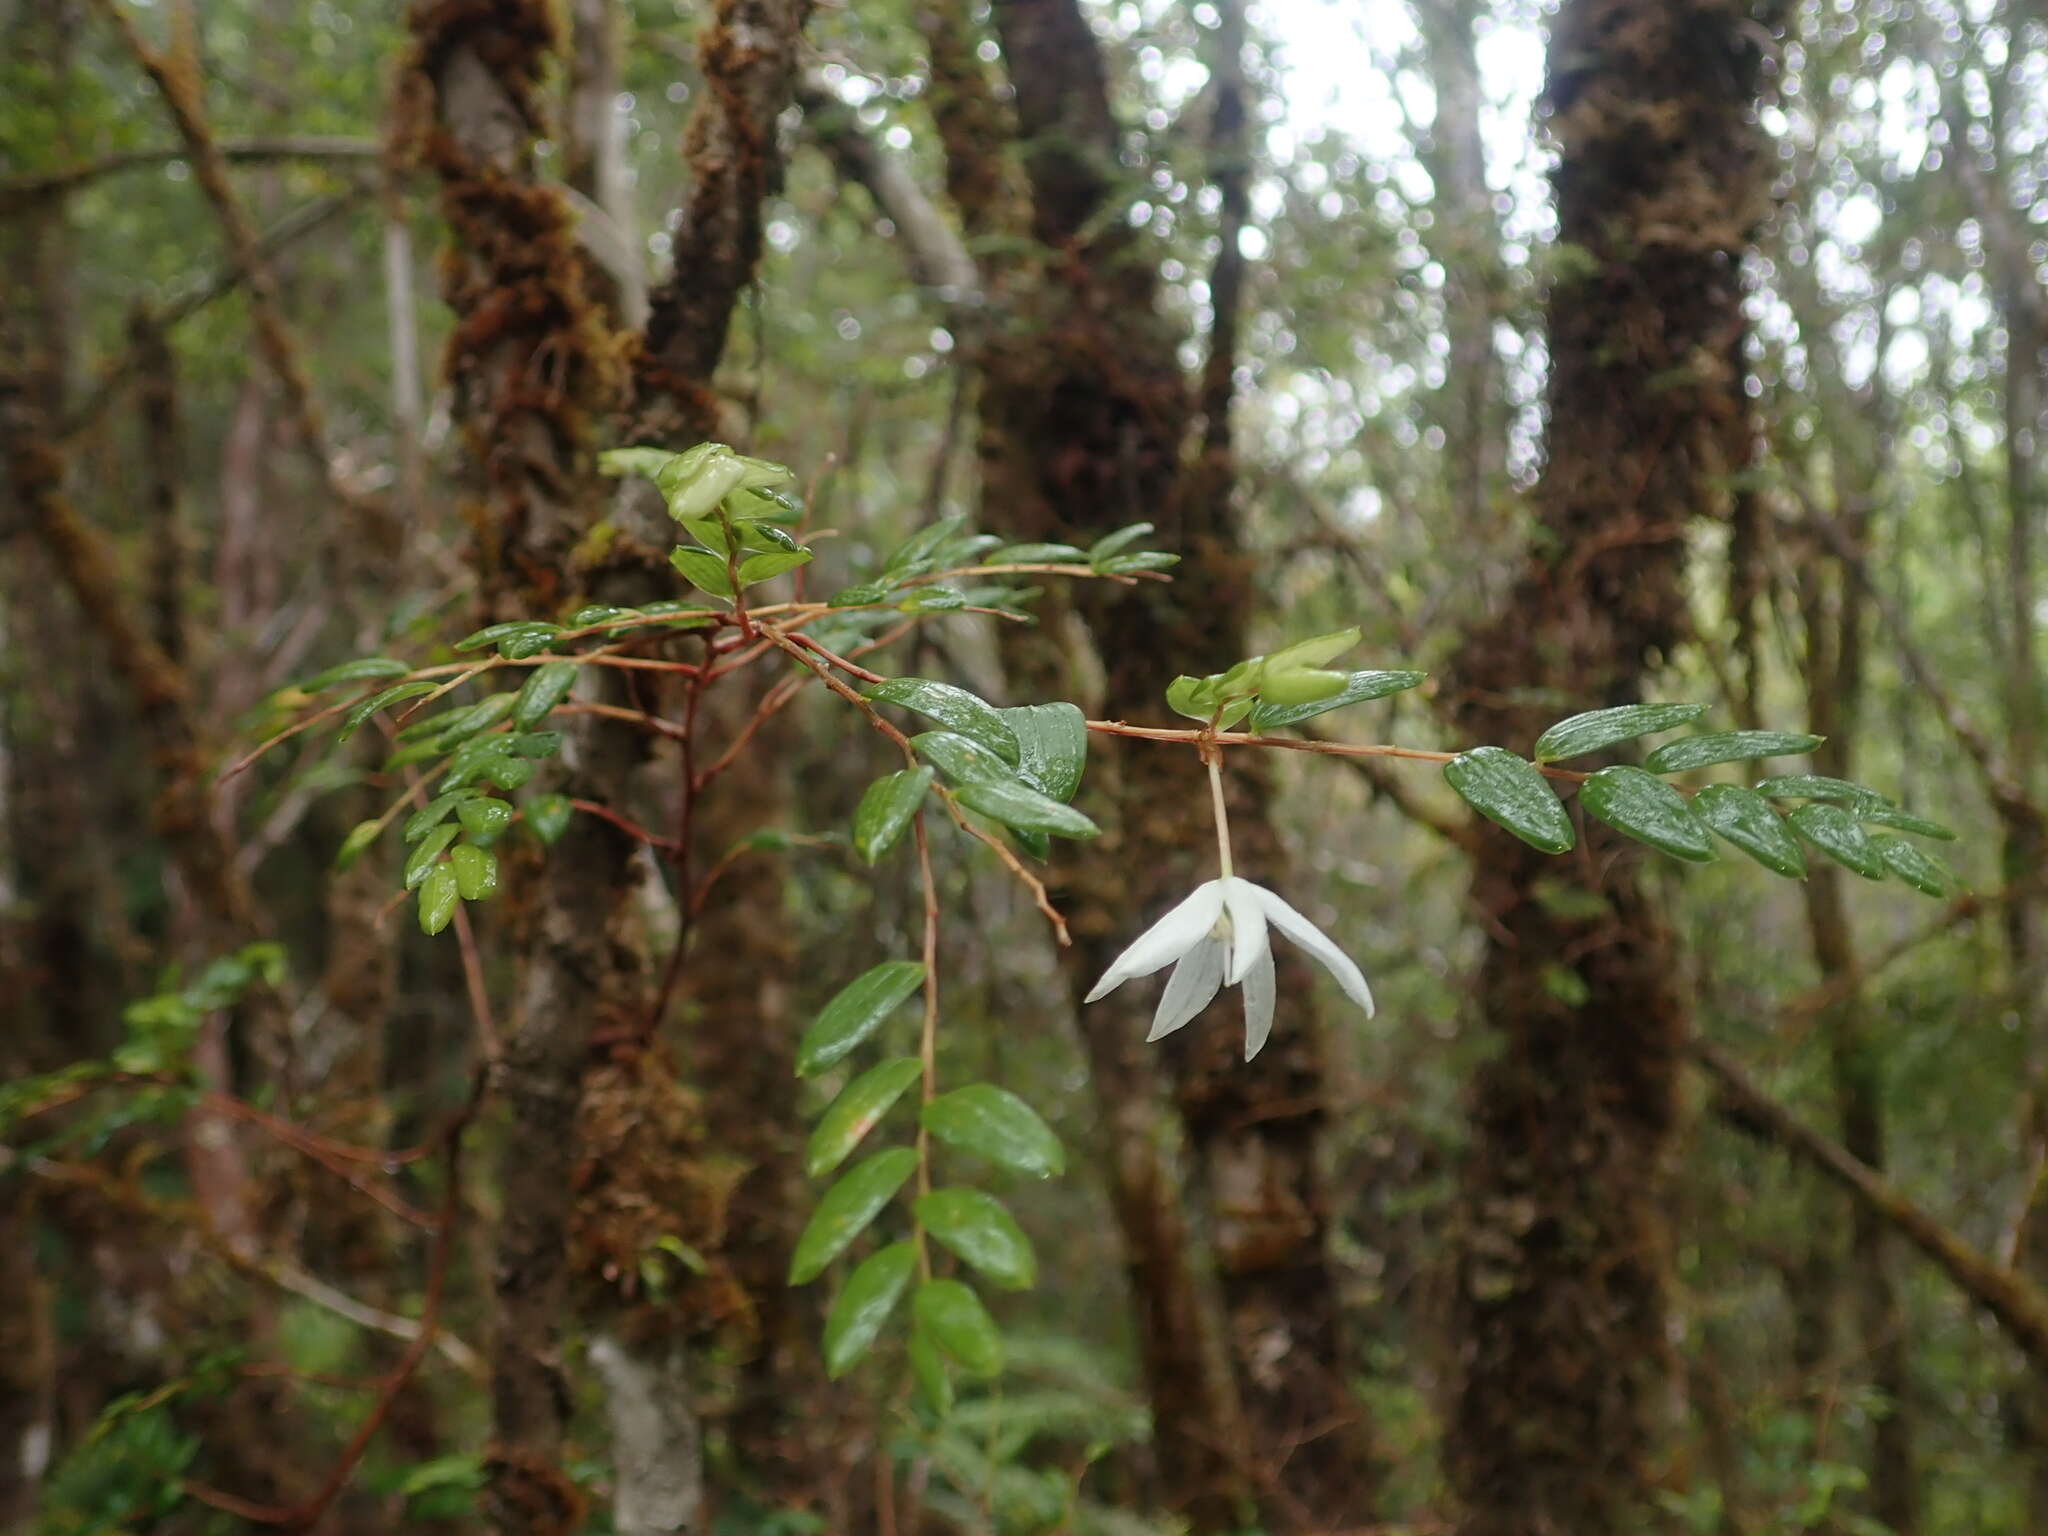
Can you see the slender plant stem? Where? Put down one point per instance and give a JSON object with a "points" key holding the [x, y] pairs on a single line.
{"points": [[928, 1042], [1215, 761]]}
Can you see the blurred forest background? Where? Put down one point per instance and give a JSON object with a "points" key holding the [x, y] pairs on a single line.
{"points": [[1627, 349]]}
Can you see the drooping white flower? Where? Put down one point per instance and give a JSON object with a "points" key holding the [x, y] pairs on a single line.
{"points": [[1218, 936]]}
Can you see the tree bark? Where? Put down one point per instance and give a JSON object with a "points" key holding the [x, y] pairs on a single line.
{"points": [[1564, 1373]]}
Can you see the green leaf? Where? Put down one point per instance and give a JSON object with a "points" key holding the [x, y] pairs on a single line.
{"points": [[932, 599], [535, 743], [961, 1327], [1815, 786], [1358, 687], [597, 613], [1291, 687], [929, 1367], [360, 836], [1914, 865], [976, 1227], [1604, 727], [548, 816], [772, 563], [364, 669], [863, 1305], [914, 551], [702, 569], [1037, 554], [1016, 804], [1131, 565], [1646, 808], [476, 871], [954, 708], [960, 760], [491, 634], [994, 1123], [1746, 819], [1507, 790], [1835, 833], [438, 895], [1690, 752], [1892, 816], [362, 709], [848, 1207], [508, 773], [858, 1110], [855, 1013], [645, 462], [548, 686], [1114, 543], [483, 820], [858, 596], [1195, 697], [1313, 652], [422, 858], [885, 811], [530, 641], [1052, 746], [432, 814]]}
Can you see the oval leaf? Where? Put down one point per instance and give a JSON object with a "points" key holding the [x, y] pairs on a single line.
{"points": [[1508, 791], [362, 709], [1816, 786], [771, 563], [433, 813], [1018, 805], [1052, 746], [954, 708], [857, 1012], [1746, 819], [421, 859], [548, 686], [846, 1210], [886, 809], [1914, 865], [1835, 833], [476, 871], [994, 1123], [548, 816], [1358, 687], [360, 837], [702, 569], [960, 760], [858, 1110], [1647, 809], [1604, 727], [929, 1367], [1037, 554], [1903, 821], [1726, 747], [483, 820], [1313, 652], [1114, 543], [985, 1235], [863, 1305], [959, 1325], [438, 896], [363, 670]]}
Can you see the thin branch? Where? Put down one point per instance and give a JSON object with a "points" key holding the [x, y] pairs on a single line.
{"points": [[20, 193]]}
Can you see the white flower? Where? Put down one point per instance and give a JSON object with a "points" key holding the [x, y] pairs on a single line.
{"points": [[1219, 936]]}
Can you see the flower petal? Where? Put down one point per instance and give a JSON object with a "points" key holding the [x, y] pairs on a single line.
{"points": [[1166, 940], [1189, 989], [1248, 938], [1310, 938], [1258, 1004]]}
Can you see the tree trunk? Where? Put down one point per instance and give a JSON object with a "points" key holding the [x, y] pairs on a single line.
{"points": [[1564, 1380]]}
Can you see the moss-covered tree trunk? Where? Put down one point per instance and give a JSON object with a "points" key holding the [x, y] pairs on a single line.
{"points": [[1564, 1379]]}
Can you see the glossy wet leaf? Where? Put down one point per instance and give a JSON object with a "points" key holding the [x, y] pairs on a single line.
{"points": [[421, 859], [860, 1008], [476, 871], [1131, 565], [530, 641], [772, 562], [1358, 688], [1835, 833], [1605, 727], [1509, 791], [1817, 786], [954, 708], [859, 1108], [1644, 807], [433, 813], [864, 1304], [702, 569], [362, 670], [959, 1325], [961, 760], [1018, 805], [1903, 821], [1690, 752], [483, 820], [362, 709], [438, 896], [994, 1123], [858, 596], [1052, 746], [493, 634], [978, 1229], [847, 1209], [885, 811], [541, 692], [508, 773], [1914, 865], [1746, 819]]}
